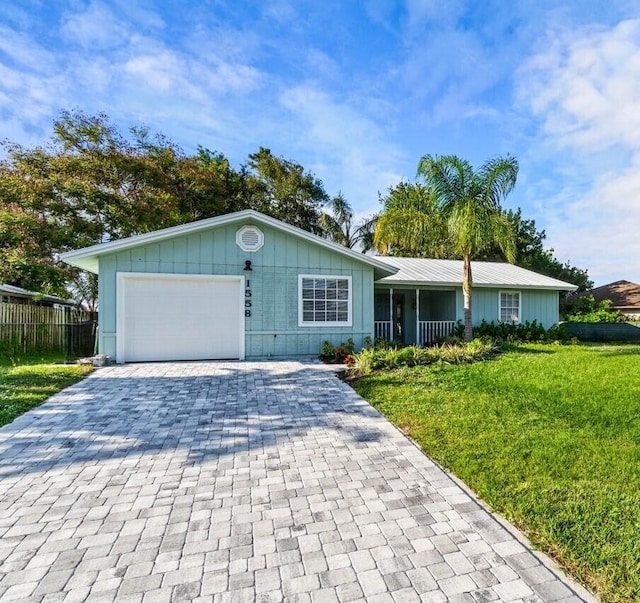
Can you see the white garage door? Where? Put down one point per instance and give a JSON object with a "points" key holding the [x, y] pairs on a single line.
{"points": [[179, 317]]}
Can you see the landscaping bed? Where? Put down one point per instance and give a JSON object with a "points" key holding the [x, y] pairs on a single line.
{"points": [[547, 435], [28, 381]]}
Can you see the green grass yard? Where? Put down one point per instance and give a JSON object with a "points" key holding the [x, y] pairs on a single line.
{"points": [[27, 382], [549, 436]]}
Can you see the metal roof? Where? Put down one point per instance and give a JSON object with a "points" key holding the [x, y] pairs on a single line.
{"points": [[87, 258], [420, 271]]}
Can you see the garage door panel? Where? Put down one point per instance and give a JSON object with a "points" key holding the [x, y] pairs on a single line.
{"points": [[180, 317]]}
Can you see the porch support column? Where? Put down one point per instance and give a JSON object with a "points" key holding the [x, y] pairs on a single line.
{"points": [[418, 338], [391, 314]]}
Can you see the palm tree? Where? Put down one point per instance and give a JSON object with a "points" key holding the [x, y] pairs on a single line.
{"points": [[471, 201], [411, 223], [338, 225]]}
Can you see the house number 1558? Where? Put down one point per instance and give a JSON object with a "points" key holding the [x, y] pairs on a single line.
{"points": [[247, 298]]}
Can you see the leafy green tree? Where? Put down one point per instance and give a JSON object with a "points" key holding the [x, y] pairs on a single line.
{"points": [[471, 202], [339, 227], [531, 253], [585, 308], [91, 185], [24, 261], [412, 224], [284, 190]]}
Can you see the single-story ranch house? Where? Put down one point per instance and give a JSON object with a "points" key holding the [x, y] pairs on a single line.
{"points": [[246, 285]]}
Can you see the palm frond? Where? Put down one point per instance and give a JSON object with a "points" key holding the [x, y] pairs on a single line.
{"points": [[366, 230], [413, 231], [332, 229], [448, 176], [499, 177]]}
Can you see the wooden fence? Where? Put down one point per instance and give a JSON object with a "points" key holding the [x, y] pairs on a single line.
{"points": [[32, 328]]}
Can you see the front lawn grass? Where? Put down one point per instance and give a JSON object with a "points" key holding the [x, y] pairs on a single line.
{"points": [[28, 381], [549, 436]]}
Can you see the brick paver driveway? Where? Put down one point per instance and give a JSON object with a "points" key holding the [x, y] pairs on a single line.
{"points": [[241, 482]]}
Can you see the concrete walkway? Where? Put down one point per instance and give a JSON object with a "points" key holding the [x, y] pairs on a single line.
{"points": [[256, 481]]}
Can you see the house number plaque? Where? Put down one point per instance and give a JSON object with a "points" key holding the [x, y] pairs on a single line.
{"points": [[247, 298]]}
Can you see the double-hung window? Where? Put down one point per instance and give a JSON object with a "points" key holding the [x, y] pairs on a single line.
{"points": [[509, 310], [324, 300]]}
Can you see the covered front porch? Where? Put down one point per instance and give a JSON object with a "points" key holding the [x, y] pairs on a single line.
{"points": [[414, 316]]}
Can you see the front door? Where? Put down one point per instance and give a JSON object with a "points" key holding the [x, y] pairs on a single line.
{"points": [[398, 317]]}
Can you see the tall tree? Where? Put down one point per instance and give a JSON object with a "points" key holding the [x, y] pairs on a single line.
{"points": [[411, 223], [471, 201], [339, 227], [284, 190], [532, 254], [90, 185]]}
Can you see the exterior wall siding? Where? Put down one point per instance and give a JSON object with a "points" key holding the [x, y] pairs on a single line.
{"points": [[272, 329], [540, 305]]}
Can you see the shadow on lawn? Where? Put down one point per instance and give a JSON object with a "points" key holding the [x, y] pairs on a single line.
{"points": [[520, 348], [616, 349], [231, 408]]}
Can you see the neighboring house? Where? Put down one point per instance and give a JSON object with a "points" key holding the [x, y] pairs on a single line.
{"points": [[624, 295], [10, 294], [246, 285]]}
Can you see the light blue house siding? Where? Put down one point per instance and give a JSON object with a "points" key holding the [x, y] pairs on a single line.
{"points": [[272, 329], [536, 304]]}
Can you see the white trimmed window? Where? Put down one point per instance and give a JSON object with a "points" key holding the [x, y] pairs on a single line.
{"points": [[509, 310], [324, 300]]}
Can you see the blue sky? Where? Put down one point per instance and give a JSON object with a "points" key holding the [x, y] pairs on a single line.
{"points": [[357, 92]]}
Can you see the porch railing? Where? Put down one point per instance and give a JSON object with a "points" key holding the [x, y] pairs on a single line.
{"points": [[382, 328], [432, 330]]}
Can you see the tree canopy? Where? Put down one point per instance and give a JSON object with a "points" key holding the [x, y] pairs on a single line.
{"points": [[532, 254], [411, 223], [93, 184]]}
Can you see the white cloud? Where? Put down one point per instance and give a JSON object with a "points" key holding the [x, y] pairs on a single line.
{"points": [[585, 92], [30, 97], [349, 148], [600, 228], [586, 89], [24, 52], [282, 11], [162, 71], [198, 78], [381, 12], [175, 89], [95, 28], [451, 70], [142, 13]]}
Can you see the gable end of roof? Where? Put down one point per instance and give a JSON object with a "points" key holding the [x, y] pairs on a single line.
{"points": [[88, 257]]}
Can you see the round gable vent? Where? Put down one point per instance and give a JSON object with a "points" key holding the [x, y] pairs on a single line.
{"points": [[250, 238]]}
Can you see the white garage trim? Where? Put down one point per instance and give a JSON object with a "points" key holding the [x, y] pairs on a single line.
{"points": [[122, 277]]}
